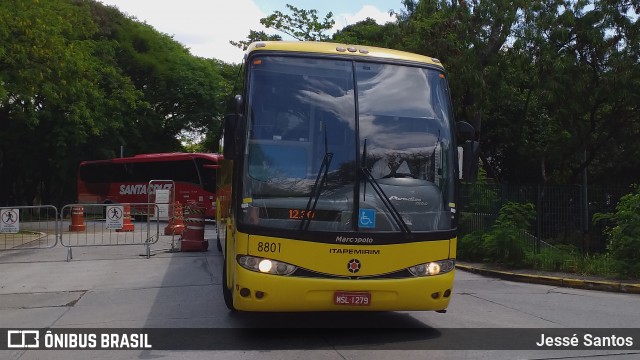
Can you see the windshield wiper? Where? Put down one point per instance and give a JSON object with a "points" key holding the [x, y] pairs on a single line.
{"points": [[393, 211], [316, 190]]}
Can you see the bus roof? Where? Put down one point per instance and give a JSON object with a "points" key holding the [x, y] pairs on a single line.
{"points": [[160, 157], [340, 49]]}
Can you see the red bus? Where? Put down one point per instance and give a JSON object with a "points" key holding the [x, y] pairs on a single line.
{"points": [[126, 180]]}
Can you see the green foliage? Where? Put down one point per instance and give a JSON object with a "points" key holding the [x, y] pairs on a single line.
{"points": [[471, 247], [180, 91], [567, 258], [479, 203], [78, 80], [516, 215], [60, 90], [555, 258], [624, 235], [482, 198], [368, 32], [506, 242], [597, 264], [301, 24], [253, 37], [552, 85], [557, 105]]}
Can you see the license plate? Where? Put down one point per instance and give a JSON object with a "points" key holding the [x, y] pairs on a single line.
{"points": [[361, 298]]}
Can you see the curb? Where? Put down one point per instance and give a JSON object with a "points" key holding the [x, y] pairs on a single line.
{"points": [[609, 286]]}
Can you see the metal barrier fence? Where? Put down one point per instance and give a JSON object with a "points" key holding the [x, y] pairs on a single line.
{"points": [[28, 227], [84, 225], [564, 213]]}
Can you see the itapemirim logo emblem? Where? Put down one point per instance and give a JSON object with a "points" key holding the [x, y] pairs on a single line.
{"points": [[353, 265]]}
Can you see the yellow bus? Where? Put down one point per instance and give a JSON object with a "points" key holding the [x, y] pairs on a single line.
{"points": [[338, 188]]}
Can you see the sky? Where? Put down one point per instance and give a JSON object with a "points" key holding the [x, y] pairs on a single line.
{"points": [[207, 26]]}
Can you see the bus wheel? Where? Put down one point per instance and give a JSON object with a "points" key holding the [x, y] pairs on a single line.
{"points": [[226, 292]]}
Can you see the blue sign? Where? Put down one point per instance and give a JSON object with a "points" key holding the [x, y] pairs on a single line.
{"points": [[367, 218]]}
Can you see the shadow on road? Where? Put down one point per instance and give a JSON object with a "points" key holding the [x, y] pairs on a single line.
{"points": [[189, 304], [370, 330]]}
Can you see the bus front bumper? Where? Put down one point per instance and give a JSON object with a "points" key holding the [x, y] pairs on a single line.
{"points": [[263, 292]]}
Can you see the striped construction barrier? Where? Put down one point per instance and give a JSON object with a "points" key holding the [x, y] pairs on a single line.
{"points": [[193, 235], [175, 226]]}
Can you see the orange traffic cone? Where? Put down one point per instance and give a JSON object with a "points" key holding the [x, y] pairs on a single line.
{"points": [[176, 224], [127, 225], [77, 219]]}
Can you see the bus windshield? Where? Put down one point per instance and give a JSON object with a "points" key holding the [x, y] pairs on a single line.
{"points": [[332, 143]]}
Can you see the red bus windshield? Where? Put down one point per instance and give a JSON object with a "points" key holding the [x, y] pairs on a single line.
{"points": [[126, 180]]}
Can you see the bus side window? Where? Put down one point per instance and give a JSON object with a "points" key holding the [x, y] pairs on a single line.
{"points": [[207, 175]]}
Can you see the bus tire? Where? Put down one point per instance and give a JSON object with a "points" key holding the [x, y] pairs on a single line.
{"points": [[226, 292]]}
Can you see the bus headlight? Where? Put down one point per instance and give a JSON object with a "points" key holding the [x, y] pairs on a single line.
{"points": [[266, 266], [432, 268]]}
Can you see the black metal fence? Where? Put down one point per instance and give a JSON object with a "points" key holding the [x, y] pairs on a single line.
{"points": [[564, 213]]}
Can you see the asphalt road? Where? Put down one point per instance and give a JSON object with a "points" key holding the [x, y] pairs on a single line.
{"points": [[117, 288]]}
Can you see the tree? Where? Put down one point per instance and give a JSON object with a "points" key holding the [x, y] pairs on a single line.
{"points": [[624, 234], [468, 37], [253, 37], [55, 94], [181, 92], [368, 32], [575, 68], [553, 85], [303, 25], [78, 80]]}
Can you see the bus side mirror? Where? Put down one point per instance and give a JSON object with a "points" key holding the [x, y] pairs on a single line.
{"points": [[465, 131], [238, 103], [230, 142], [470, 158], [470, 150]]}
